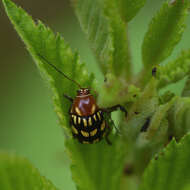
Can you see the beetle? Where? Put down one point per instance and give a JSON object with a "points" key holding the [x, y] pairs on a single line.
{"points": [[86, 118]]}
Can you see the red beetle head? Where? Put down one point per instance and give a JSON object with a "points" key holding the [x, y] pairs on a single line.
{"points": [[83, 91]]}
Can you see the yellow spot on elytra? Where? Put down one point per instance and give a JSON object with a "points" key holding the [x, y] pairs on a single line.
{"points": [[85, 122], [97, 140], [90, 121], [85, 142], [99, 116], [74, 119], [85, 134], [79, 120], [78, 111], [93, 109], [74, 130], [103, 125], [92, 133], [94, 116]]}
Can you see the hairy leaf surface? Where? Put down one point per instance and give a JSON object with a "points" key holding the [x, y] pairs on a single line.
{"points": [[158, 117], [179, 121], [174, 70]]}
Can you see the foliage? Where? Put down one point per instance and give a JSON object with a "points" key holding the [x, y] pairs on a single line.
{"points": [[175, 70], [153, 117], [129, 8], [169, 169], [163, 34], [106, 35], [17, 173]]}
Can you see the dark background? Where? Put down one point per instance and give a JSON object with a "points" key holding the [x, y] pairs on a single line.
{"points": [[28, 124]]}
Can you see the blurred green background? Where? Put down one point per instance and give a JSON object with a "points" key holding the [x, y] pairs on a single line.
{"points": [[28, 124]]}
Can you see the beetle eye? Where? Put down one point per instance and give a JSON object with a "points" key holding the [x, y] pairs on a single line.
{"points": [[79, 91]]}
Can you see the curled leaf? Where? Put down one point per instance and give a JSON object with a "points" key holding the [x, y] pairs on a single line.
{"points": [[174, 70]]}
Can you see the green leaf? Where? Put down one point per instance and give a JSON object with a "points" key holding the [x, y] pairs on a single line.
{"points": [[99, 166], [17, 173], [175, 70], [96, 26], [187, 187], [118, 28], [160, 114], [92, 164], [41, 40], [179, 122], [170, 170], [129, 8], [113, 88], [107, 34], [186, 90], [143, 108], [164, 32]]}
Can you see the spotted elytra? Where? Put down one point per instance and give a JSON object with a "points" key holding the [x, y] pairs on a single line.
{"points": [[86, 118]]}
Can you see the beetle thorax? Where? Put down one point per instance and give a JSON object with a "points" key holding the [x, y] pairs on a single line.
{"points": [[84, 103]]}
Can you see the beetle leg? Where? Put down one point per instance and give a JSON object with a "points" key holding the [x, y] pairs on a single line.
{"points": [[114, 108], [154, 70], [146, 125], [107, 140], [68, 97], [107, 135]]}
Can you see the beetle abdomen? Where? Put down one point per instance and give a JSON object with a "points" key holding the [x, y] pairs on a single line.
{"points": [[88, 129]]}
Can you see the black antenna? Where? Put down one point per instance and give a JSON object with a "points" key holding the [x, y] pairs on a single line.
{"points": [[59, 70]]}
